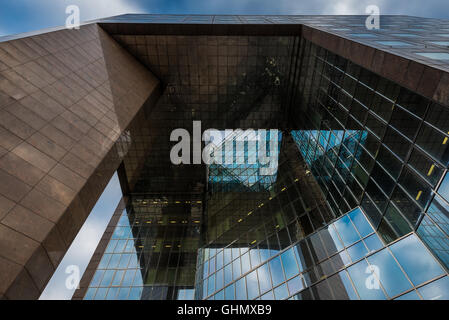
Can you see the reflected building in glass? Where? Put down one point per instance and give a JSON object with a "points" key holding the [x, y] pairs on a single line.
{"points": [[352, 204]]}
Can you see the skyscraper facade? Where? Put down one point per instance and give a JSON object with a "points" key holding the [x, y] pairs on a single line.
{"points": [[353, 202]]}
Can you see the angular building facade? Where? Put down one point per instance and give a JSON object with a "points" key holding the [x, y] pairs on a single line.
{"points": [[356, 205]]}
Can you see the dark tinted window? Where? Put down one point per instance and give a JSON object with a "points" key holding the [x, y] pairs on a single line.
{"points": [[412, 102], [399, 145], [406, 123]]}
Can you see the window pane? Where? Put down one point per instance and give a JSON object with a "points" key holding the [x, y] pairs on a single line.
{"points": [[306, 294], [357, 251], [108, 275], [228, 273], [359, 274], [371, 210], [382, 107], [281, 292], [114, 261], [220, 260], [322, 291], [129, 276], [434, 142], [255, 258], [135, 293], [370, 142], [386, 232], [397, 221], [375, 125], [101, 293], [413, 102], [341, 287], [373, 242], [443, 190], [412, 295], [245, 263], [112, 293], [388, 88], [90, 294], [289, 263], [389, 162], [227, 256], [267, 296], [435, 239], [398, 144], [346, 230], [439, 212], [118, 277], [383, 179], [416, 187], [416, 260], [376, 195], [358, 111], [253, 285], [331, 240], [219, 279], [303, 255], [425, 166], [219, 295], [240, 289], [264, 278], [316, 247], [295, 285], [390, 275], [104, 261], [437, 290], [276, 271], [229, 292], [111, 246], [211, 284], [406, 205], [438, 115], [404, 122], [236, 269]]}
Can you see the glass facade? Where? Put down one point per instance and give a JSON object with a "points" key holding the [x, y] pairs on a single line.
{"points": [[355, 207], [151, 253], [372, 143], [344, 260], [243, 170]]}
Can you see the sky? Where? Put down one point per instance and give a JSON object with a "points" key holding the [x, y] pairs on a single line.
{"points": [[17, 16]]}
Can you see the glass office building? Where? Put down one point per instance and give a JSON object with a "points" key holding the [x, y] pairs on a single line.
{"points": [[356, 208], [354, 203]]}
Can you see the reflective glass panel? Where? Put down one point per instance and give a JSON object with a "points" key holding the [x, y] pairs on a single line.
{"points": [[416, 260]]}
